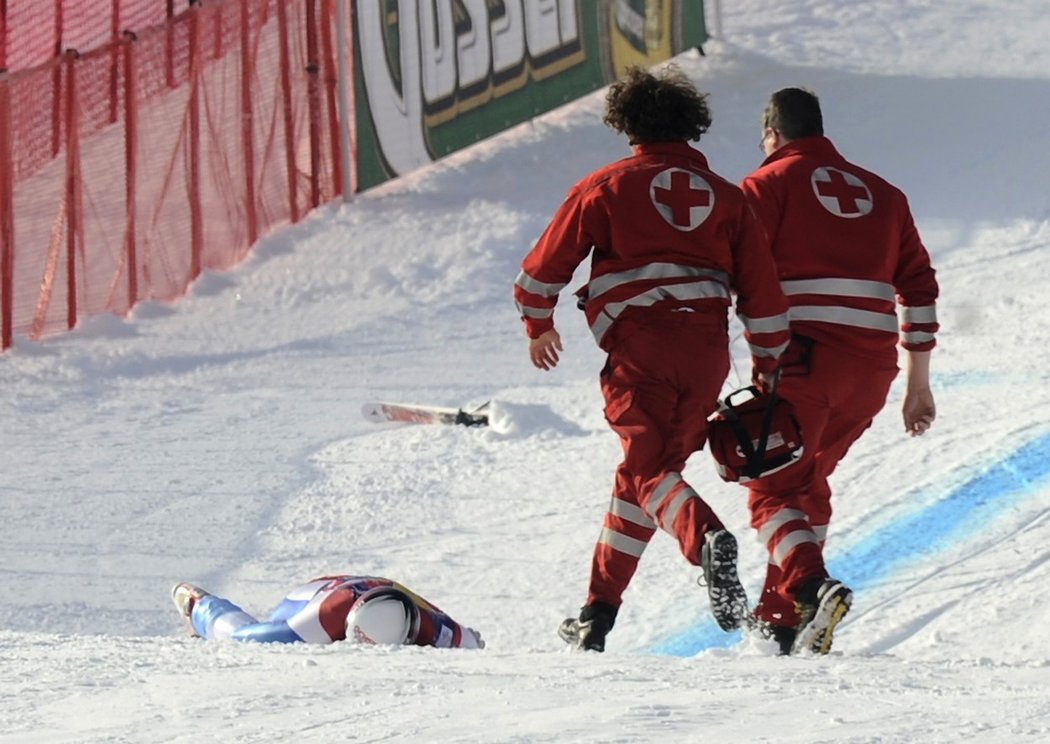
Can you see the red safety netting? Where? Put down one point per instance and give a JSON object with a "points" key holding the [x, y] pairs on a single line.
{"points": [[35, 31], [126, 170]]}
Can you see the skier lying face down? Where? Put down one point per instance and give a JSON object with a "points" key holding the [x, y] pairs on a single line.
{"points": [[362, 609]]}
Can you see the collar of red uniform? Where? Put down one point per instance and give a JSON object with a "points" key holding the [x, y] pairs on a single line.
{"points": [[820, 146], [670, 148]]}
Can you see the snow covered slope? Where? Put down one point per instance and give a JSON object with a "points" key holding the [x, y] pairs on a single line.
{"points": [[220, 441]]}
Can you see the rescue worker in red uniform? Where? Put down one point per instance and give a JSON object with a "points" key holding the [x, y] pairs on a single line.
{"points": [[847, 252], [669, 241]]}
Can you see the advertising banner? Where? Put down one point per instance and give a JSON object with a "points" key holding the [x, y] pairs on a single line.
{"points": [[435, 76]]}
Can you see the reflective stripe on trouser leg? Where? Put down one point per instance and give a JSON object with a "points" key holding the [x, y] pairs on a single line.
{"points": [[680, 512], [782, 532], [792, 545], [625, 534], [821, 532], [786, 530], [793, 548], [783, 526]]}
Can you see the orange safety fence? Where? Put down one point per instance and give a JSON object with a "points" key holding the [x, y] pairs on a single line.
{"points": [[35, 31], [128, 168]]}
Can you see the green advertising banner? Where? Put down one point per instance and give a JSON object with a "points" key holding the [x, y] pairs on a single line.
{"points": [[435, 76]]}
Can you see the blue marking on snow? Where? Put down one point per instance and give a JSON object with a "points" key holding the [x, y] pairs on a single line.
{"points": [[919, 535]]}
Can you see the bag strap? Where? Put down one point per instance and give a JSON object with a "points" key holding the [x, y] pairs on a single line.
{"points": [[755, 456], [767, 423]]}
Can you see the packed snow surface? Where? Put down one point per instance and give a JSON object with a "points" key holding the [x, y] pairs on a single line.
{"points": [[220, 441]]}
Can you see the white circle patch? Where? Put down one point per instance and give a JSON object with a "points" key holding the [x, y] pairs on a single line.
{"points": [[841, 193], [682, 198]]}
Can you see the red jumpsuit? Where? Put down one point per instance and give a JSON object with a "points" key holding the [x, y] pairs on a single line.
{"points": [[671, 240], [847, 252]]}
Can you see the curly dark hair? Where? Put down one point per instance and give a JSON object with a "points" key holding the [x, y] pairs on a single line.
{"points": [[661, 107]]}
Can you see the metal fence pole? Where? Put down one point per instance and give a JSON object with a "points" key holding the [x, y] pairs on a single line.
{"points": [[718, 34]]}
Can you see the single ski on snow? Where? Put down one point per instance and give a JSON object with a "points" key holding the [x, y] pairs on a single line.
{"points": [[381, 413]]}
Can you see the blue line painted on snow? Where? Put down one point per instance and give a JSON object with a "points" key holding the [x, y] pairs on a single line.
{"points": [[916, 536]]}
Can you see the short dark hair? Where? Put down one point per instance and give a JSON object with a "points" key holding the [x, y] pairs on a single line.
{"points": [[795, 113], [662, 107]]}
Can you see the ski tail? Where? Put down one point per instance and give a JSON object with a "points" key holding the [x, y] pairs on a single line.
{"points": [[408, 413]]}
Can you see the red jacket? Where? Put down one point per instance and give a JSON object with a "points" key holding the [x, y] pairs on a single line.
{"points": [[846, 250], [665, 230]]}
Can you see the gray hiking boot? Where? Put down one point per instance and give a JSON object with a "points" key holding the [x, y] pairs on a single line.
{"points": [[724, 590]]}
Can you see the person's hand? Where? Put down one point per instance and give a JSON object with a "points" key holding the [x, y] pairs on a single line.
{"points": [[543, 351], [764, 380], [919, 411]]}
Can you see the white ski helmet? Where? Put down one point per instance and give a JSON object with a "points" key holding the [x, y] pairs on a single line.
{"points": [[384, 616]]}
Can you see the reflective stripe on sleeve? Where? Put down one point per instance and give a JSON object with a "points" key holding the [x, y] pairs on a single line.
{"points": [[770, 324], [534, 312], [536, 287], [917, 337], [923, 314]]}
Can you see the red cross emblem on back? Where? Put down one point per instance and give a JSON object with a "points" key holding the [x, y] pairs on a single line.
{"points": [[682, 198], [841, 193]]}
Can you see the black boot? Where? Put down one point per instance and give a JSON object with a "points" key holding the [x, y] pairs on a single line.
{"points": [[783, 635], [589, 630]]}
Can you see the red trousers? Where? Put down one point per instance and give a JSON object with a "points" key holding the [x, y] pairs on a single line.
{"points": [[836, 395], [661, 381]]}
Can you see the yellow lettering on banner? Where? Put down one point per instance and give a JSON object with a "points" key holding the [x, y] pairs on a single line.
{"points": [[639, 32]]}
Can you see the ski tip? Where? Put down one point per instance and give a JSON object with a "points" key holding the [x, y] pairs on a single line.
{"points": [[373, 412]]}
